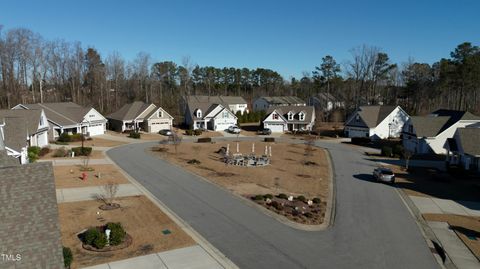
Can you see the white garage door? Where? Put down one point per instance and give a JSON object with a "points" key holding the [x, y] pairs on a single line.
{"points": [[221, 126], [275, 127], [96, 129], [157, 126]]}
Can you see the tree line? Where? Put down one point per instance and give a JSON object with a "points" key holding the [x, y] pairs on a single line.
{"points": [[33, 69]]}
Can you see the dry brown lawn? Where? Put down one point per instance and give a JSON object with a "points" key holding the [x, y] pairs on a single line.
{"points": [[70, 176], [96, 154], [142, 219], [287, 173], [467, 229], [97, 142]]}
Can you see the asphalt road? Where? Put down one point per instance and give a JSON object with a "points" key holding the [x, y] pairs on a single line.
{"points": [[372, 229]]}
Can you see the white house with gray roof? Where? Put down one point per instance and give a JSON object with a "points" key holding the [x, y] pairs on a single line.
{"points": [[428, 134], [289, 118], [20, 129], [376, 122], [70, 118], [215, 113], [265, 102], [140, 116], [463, 149]]}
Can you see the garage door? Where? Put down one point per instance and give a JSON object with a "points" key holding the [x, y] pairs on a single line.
{"points": [[157, 126], [275, 127], [96, 129], [221, 126]]}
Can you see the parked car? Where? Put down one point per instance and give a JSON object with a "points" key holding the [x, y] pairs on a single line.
{"points": [[383, 174], [234, 129], [165, 132], [265, 131]]}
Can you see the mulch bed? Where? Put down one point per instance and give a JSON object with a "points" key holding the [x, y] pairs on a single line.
{"points": [[111, 206]]}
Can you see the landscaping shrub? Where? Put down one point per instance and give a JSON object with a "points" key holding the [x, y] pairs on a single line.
{"points": [[189, 132], [101, 241], [90, 235], [269, 139], [204, 140], [282, 196], [135, 135], [64, 137], [117, 233], [360, 140], [301, 198], [398, 151], [32, 153], [387, 151], [82, 151], [316, 200], [76, 137], [268, 196], [44, 151], [67, 257], [197, 132], [193, 161], [258, 197], [60, 152]]}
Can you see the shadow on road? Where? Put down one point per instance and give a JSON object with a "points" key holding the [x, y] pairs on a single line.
{"points": [[365, 177]]}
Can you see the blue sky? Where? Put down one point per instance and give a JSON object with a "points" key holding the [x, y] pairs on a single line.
{"points": [[287, 36]]}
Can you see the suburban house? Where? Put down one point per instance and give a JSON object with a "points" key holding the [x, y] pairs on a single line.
{"points": [[464, 149], [212, 113], [289, 118], [325, 102], [20, 129], [428, 134], [70, 118], [29, 225], [265, 102], [140, 116], [376, 122]]}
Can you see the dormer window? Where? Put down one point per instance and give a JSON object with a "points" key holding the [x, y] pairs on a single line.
{"points": [[357, 117], [198, 113], [275, 116], [290, 115], [301, 116]]}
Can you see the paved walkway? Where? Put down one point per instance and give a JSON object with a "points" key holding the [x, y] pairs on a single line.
{"points": [[91, 193], [443, 206], [456, 249], [76, 161], [189, 257]]}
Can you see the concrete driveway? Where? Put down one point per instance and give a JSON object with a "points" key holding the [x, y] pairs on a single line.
{"points": [[372, 229]]}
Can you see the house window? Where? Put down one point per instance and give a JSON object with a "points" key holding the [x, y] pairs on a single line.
{"points": [[41, 120], [199, 113], [160, 114], [290, 115], [225, 114], [357, 117], [302, 116], [275, 116]]}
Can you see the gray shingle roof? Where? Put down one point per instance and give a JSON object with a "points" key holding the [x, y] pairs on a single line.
{"points": [[29, 216], [28, 117], [428, 126], [283, 110], [205, 103], [469, 139], [374, 115], [16, 133], [283, 100], [64, 114], [7, 161], [129, 112]]}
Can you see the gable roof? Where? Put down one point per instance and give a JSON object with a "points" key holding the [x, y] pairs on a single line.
{"points": [[325, 97], [283, 100], [454, 116], [6, 160], [469, 138], [129, 111], [66, 113], [283, 111], [28, 117], [29, 210], [208, 103], [15, 134], [374, 115], [428, 126]]}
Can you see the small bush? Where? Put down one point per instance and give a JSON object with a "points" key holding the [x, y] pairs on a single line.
{"points": [[301, 198], [117, 233], [67, 257], [76, 137], [204, 140], [34, 149], [60, 152], [90, 235], [79, 151], [101, 241], [44, 151], [135, 135], [258, 197], [398, 150], [387, 151], [360, 140], [197, 132], [268, 196], [282, 196], [193, 161], [269, 139], [64, 137], [316, 200], [189, 132]]}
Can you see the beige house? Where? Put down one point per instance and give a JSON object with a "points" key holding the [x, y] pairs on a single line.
{"points": [[140, 116]]}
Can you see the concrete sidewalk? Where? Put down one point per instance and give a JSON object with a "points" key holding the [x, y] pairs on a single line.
{"points": [[91, 193], [189, 257], [444, 206], [75, 161]]}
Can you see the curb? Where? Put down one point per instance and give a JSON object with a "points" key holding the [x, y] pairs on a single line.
{"points": [[202, 242], [425, 230]]}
